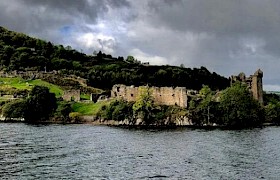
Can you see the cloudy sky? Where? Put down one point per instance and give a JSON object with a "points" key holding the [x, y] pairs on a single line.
{"points": [[226, 36]]}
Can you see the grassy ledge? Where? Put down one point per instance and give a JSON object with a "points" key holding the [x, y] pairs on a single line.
{"points": [[88, 108]]}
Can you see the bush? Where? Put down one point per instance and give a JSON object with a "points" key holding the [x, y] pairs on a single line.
{"points": [[14, 109], [63, 110], [116, 110], [75, 117], [272, 112]]}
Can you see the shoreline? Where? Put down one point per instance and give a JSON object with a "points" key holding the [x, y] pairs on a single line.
{"points": [[112, 123]]}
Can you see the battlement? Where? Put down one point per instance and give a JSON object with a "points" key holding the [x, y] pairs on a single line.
{"points": [[254, 83]]}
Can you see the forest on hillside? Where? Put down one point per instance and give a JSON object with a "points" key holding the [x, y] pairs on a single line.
{"points": [[21, 52]]}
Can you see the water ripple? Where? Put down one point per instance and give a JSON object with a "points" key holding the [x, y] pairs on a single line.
{"points": [[95, 152]]}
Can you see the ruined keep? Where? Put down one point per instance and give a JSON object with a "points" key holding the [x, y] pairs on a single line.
{"points": [[254, 83], [162, 95], [71, 95]]}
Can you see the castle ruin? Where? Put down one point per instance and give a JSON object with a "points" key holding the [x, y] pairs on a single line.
{"points": [[254, 83], [178, 96], [71, 95]]}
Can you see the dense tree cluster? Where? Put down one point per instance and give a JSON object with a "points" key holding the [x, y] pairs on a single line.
{"points": [[20, 52], [233, 107], [272, 108], [39, 106]]}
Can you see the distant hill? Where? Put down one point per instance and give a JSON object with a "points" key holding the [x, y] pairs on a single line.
{"points": [[21, 52]]}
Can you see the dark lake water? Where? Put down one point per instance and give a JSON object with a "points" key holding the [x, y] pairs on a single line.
{"points": [[98, 152]]}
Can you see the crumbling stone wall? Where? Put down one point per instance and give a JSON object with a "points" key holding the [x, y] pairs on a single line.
{"points": [[254, 83], [162, 95], [71, 95]]}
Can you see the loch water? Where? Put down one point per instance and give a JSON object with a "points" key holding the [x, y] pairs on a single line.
{"points": [[100, 152]]}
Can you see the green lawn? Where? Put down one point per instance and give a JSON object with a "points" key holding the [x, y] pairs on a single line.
{"points": [[88, 108], [85, 96], [20, 83]]}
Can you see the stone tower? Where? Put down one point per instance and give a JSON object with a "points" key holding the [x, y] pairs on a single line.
{"points": [[257, 86], [254, 83]]}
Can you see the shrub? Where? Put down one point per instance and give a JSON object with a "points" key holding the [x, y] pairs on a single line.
{"points": [[116, 110], [75, 117]]}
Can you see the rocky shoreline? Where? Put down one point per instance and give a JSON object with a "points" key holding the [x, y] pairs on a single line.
{"points": [[165, 124]]}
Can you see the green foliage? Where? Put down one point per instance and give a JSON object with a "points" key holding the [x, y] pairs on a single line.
{"points": [[163, 112], [272, 112], [236, 108], [117, 110], [14, 109], [203, 110], [130, 59], [239, 108], [271, 98], [40, 104], [63, 110], [206, 92], [272, 107], [144, 104], [75, 117]]}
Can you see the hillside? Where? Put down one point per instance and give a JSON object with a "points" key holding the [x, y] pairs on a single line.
{"points": [[10, 84], [21, 52], [17, 85]]}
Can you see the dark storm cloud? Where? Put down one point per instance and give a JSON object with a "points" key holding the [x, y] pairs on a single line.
{"points": [[44, 17], [87, 8], [222, 17], [236, 19], [226, 36], [242, 34]]}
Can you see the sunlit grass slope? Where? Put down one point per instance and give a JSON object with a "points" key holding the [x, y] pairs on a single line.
{"points": [[20, 83], [88, 108]]}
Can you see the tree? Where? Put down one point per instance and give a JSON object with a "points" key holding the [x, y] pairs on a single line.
{"points": [[144, 105], [130, 59], [272, 112], [203, 110], [14, 109], [40, 105], [239, 108], [65, 110]]}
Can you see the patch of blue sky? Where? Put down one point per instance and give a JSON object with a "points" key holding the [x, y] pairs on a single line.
{"points": [[66, 30]]}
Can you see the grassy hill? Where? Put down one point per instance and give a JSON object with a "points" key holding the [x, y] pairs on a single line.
{"points": [[21, 84]]}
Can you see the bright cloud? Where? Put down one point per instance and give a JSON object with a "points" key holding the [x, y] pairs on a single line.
{"points": [[143, 57], [225, 36]]}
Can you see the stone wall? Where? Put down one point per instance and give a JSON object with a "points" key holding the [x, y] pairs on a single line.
{"points": [[71, 95], [254, 83], [162, 95]]}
